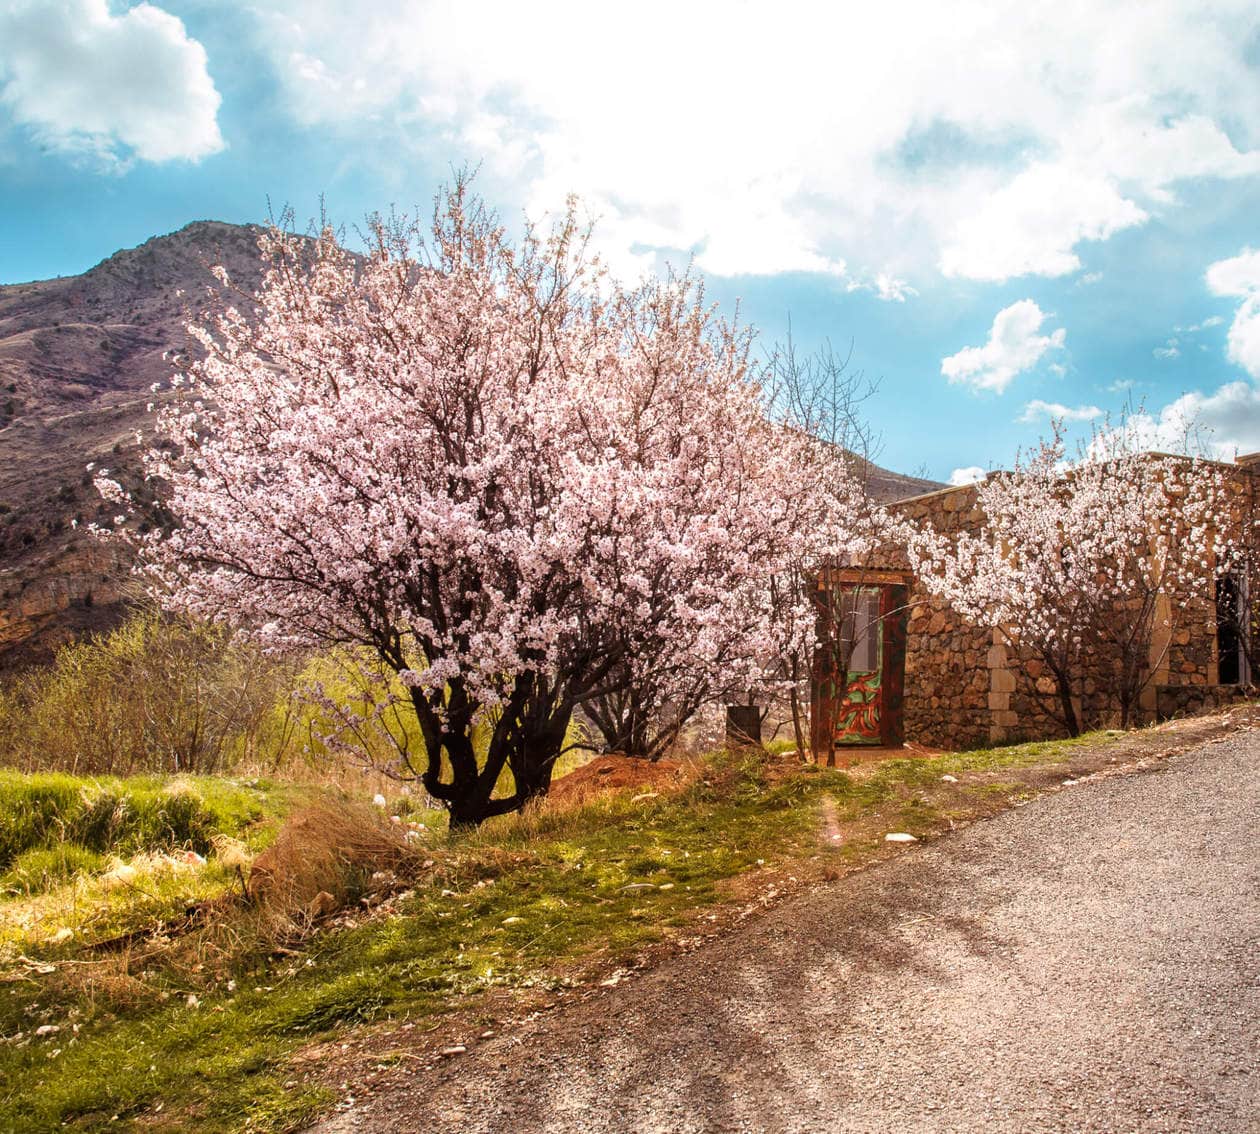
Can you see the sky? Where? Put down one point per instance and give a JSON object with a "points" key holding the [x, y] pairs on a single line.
{"points": [[1003, 213]]}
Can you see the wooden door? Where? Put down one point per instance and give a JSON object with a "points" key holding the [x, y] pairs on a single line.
{"points": [[863, 631]]}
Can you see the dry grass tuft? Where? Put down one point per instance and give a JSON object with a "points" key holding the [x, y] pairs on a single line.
{"points": [[325, 858]]}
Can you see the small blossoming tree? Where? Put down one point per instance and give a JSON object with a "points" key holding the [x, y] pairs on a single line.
{"points": [[821, 513], [499, 474], [1072, 558]]}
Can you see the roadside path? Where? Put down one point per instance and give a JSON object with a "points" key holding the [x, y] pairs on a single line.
{"points": [[1088, 962]]}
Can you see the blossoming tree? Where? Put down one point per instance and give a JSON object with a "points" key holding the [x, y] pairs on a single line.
{"points": [[1072, 558], [767, 637], [497, 472]]}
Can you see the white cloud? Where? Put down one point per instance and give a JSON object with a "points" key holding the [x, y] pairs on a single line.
{"points": [[114, 87], [891, 289], [1037, 410], [884, 286], [1239, 277], [1195, 328], [969, 475], [1031, 225], [1013, 347], [1169, 350], [987, 138], [1225, 422]]}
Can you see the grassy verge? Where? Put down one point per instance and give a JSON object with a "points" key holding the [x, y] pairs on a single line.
{"points": [[86, 859], [529, 903]]}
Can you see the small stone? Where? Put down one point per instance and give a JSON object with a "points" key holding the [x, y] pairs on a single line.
{"points": [[947, 779], [900, 837], [321, 905], [666, 886], [646, 795], [454, 1049], [47, 1030], [513, 920], [488, 1034]]}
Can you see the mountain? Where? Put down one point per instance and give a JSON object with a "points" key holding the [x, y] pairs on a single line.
{"points": [[78, 358], [886, 486]]}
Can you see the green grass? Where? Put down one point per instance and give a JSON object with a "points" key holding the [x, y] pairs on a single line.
{"points": [[522, 904], [990, 759], [109, 815]]}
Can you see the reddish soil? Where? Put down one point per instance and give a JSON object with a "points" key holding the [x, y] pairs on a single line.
{"points": [[856, 756], [615, 773]]}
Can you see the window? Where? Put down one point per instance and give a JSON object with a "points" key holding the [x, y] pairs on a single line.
{"points": [[1230, 626], [859, 629]]}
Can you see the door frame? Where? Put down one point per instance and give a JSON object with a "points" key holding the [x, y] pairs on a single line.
{"points": [[894, 587]]}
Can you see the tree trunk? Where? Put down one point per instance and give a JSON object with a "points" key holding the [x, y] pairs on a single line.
{"points": [[1070, 721], [797, 725]]}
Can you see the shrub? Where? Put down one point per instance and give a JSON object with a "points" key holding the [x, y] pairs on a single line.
{"points": [[156, 694], [47, 811]]}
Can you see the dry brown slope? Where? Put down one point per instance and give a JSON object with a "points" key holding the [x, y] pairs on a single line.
{"points": [[78, 356]]}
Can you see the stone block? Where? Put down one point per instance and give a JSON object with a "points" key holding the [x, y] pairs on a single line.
{"points": [[997, 657], [1001, 681], [999, 701]]}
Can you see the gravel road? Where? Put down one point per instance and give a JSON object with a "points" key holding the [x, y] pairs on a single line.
{"points": [[1090, 961]]}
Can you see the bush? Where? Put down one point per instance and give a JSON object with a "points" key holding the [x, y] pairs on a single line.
{"points": [[128, 822], [156, 694]]}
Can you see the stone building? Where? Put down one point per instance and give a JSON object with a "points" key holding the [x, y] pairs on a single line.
{"points": [[920, 672]]}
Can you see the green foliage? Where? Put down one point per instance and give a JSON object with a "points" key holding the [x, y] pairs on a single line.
{"points": [[156, 694], [41, 869], [52, 811]]}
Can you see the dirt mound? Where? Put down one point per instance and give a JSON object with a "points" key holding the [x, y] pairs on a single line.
{"points": [[616, 773]]}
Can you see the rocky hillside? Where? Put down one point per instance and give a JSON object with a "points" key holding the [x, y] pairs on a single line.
{"points": [[78, 358]]}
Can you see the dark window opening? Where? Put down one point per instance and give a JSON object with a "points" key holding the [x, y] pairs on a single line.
{"points": [[1228, 626]]}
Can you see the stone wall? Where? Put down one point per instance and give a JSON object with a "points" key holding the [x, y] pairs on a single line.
{"points": [[966, 686], [947, 686], [1190, 700]]}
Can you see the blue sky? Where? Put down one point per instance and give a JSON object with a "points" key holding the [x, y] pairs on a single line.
{"points": [[1010, 211]]}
